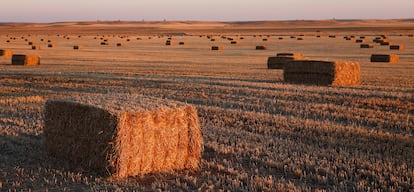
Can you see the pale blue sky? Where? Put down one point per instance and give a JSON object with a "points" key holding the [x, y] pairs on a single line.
{"points": [[213, 10]]}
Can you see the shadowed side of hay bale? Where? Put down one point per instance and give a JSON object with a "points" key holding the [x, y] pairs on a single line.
{"points": [[336, 73], [124, 135], [119, 45], [6, 52], [169, 42], [18, 59], [397, 47], [50, 45], [386, 58], [181, 43]]}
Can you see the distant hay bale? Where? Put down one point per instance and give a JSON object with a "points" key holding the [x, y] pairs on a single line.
{"points": [[265, 39], [77, 47], [123, 135], [410, 35], [49, 41], [366, 46], [386, 58], [119, 45], [233, 42], [216, 48], [30, 43], [6, 52], [104, 43], [181, 43], [318, 36], [292, 37], [332, 36], [42, 40], [169, 42], [359, 41], [50, 45], [213, 39], [261, 47], [329, 73], [397, 47], [280, 38], [7, 41], [299, 38], [387, 43], [18, 59], [241, 38], [35, 47], [281, 59], [362, 37]]}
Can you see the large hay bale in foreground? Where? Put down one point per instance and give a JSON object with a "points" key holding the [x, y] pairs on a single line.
{"points": [[334, 73], [386, 58], [281, 59], [123, 135], [6, 52], [18, 59]]}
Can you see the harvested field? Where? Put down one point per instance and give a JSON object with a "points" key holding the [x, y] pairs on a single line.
{"points": [[260, 133]]}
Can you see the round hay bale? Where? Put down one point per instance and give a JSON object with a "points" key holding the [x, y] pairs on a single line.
{"points": [[35, 47], [366, 46], [19, 59]]}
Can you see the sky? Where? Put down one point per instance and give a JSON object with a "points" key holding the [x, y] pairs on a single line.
{"points": [[45, 11]]}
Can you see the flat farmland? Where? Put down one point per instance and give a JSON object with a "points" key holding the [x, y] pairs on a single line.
{"points": [[260, 133]]}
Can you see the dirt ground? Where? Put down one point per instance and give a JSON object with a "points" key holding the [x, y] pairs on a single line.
{"points": [[260, 133]]}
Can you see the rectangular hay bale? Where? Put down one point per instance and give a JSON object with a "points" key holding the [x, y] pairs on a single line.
{"points": [[386, 58], [282, 59], [6, 52], [397, 47], [123, 135], [18, 59], [330, 73], [216, 48]]}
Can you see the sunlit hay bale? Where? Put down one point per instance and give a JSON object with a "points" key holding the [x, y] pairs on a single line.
{"points": [[169, 42], [6, 52], [329, 73], [216, 48], [104, 43], [366, 46], [379, 41], [138, 38], [362, 37], [50, 45], [261, 47], [119, 45], [18, 59], [233, 42], [181, 43], [397, 47], [77, 47], [230, 39], [281, 59], [35, 47], [387, 58], [359, 41], [387, 43], [30, 43], [123, 135]]}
